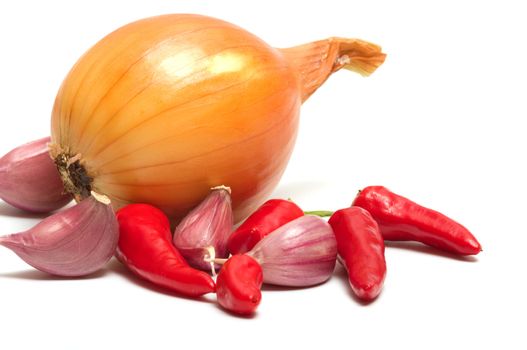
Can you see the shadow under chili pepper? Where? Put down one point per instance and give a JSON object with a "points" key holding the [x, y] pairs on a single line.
{"points": [[422, 248], [230, 313], [341, 274], [115, 266], [37, 275]]}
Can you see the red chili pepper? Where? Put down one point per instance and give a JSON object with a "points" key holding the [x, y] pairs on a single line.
{"points": [[361, 246], [145, 246], [267, 218], [400, 219], [238, 284]]}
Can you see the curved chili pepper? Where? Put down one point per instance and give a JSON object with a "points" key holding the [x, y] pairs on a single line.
{"points": [[400, 219], [361, 246], [267, 218], [145, 247], [238, 284]]}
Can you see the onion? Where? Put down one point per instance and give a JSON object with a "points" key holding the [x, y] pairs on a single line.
{"points": [[164, 108]]}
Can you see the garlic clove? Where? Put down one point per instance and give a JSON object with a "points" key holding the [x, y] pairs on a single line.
{"points": [[202, 235], [300, 253], [29, 180], [75, 242]]}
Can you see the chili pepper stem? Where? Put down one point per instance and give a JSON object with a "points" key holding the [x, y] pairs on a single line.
{"points": [[321, 213], [210, 257], [218, 261]]}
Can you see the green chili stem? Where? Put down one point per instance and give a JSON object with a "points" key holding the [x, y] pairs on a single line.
{"points": [[321, 213]]}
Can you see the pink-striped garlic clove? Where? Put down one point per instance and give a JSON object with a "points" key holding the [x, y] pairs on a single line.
{"points": [[75, 242], [29, 179], [300, 253], [202, 234]]}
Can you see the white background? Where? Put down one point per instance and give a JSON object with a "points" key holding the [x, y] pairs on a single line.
{"points": [[440, 122]]}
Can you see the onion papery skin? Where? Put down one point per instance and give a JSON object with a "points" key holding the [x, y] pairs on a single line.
{"points": [[163, 109]]}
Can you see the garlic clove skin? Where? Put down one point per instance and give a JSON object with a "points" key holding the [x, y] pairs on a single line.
{"points": [[29, 179], [75, 242], [300, 253], [202, 234]]}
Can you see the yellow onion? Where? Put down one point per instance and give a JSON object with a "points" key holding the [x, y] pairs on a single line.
{"points": [[164, 108]]}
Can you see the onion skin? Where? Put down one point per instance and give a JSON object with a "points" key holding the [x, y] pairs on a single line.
{"points": [[29, 179], [164, 108]]}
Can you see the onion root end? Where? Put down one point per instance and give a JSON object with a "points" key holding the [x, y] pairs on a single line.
{"points": [[72, 172]]}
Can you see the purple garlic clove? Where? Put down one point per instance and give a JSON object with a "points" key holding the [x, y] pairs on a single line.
{"points": [[300, 253], [29, 180], [202, 235], [75, 242]]}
